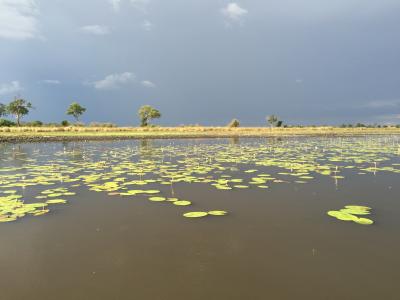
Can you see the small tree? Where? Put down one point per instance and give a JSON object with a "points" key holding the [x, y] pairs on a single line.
{"points": [[272, 120], [19, 108], [75, 110], [147, 113], [234, 123]]}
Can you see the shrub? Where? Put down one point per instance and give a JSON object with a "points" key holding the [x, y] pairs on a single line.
{"points": [[64, 123], [6, 123], [234, 123], [34, 124], [52, 125]]}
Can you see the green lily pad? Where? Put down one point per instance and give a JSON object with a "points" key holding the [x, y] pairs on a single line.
{"points": [[195, 214], [182, 203], [217, 212], [355, 211], [157, 199], [41, 212], [342, 215], [358, 207], [241, 186], [56, 201], [364, 221]]}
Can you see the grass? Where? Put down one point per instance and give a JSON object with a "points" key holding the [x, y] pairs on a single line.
{"points": [[83, 133]]}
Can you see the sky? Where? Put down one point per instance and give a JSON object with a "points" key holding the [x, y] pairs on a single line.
{"points": [[204, 61]]}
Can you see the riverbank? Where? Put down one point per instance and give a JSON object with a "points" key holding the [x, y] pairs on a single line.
{"points": [[47, 134]]}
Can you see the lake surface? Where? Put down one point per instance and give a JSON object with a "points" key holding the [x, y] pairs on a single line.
{"points": [[121, 234]]}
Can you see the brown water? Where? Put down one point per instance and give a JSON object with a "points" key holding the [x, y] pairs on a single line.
{"points": [[275, 243]]}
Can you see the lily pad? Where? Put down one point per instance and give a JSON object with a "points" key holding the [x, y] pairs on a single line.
{"points": [[364, 221], [56, 201], [217, 212], [195, 214], [157, 199], [182, 203], [342, 215]]}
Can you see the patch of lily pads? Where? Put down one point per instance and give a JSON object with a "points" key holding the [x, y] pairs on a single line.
{"points": [[200, 214], [352, 213], [12, 207], [156, 172]]}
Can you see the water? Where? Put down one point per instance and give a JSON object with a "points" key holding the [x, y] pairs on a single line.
{"points": [[274, 243]]}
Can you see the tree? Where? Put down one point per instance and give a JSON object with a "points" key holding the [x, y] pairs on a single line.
{"points": [[272, 120], [75, 110], [234, 123], [147, 113], [3, 110], [19, 108]]}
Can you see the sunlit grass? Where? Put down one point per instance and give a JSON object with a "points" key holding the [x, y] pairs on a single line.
{"points": [[182, 131]]}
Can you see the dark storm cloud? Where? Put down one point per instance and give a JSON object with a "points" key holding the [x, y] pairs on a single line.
{"points": [[204, 61]]}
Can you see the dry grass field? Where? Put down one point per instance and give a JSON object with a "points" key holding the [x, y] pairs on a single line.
{"points": [[34, 134]]}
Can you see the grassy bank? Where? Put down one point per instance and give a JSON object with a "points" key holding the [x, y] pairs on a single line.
{"points": [[37, 134]]}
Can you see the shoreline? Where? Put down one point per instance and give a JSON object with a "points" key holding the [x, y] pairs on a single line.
{"points": [[38, 134]]}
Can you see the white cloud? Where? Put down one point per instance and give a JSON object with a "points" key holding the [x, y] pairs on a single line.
{"points": [[96, 29], [114, 81], [147, 25], [18, 19], [51, 81], [148, 84], [115, 4], [233, 12], [10, 88]]}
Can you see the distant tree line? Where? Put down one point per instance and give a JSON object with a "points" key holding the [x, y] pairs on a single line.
{"points": [[19, 108]]}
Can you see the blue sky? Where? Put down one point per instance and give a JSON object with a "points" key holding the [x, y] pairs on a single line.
{"points": [[206, 62]]}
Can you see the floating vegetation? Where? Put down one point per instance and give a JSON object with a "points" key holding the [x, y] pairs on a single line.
{"points": [[195, 214], [217, 212], [146, 172], [200, 214], [350, 212], [182, 203], [12, 208], [241, 186], [157, 199], [56, 201]]}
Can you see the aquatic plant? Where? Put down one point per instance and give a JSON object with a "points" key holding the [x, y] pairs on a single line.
{"points": [[145, 172], [351, 212], [195, 214]]}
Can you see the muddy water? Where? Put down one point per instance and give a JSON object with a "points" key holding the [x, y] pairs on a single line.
{"points": [[275, 243]]}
